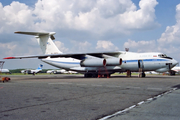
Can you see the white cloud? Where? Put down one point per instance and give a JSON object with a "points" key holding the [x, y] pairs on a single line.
{"points": [[142, 18], [97, 17], [15, 16], [172, 33], [169, 41], [8, 48], [61, 47], [141, 46], [106, 45], [80, 46]]}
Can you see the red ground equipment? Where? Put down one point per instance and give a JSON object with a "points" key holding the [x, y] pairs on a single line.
{"points": [[3, 79]]}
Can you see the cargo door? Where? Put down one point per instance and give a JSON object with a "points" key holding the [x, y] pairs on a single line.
{"points": [[140, 64]]}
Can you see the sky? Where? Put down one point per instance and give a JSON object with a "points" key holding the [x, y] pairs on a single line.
{"points": [[89, 26]]}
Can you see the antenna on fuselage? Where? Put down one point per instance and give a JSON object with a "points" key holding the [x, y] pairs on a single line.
{"points": [[126, 49]]}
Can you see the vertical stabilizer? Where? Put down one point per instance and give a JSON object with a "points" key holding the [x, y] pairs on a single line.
{"points": [[40, 67], [45, 41]]}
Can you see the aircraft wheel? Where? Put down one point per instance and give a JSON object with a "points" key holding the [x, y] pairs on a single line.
{"points": [[172, 73], [85, 75], [143, 74], [105, 75], [88, 75], [95, 75]]}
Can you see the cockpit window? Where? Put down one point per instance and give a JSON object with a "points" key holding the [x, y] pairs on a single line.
{"points": [[164, 56]]}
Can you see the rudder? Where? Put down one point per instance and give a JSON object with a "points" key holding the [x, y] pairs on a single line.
{"points": [[45, 41]]}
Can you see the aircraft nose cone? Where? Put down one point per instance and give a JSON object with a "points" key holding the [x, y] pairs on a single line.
{"points": [[174, 62]]}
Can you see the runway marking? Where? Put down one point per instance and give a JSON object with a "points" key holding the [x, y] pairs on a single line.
{"points": [[62, 83], [138, 104]]}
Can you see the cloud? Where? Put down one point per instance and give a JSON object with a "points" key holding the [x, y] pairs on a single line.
{"points": [[167, 43], [106, 45], [80, 46], [172, 33], [97, 17], [144, 18], [15, 16], [141, 46], [7, 48], [61, 46], [169, 40]]}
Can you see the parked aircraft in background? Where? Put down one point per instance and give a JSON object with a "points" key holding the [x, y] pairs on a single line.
{"points": [[62, 71], [72, 72], [152, 72], [50, 71], [4, 71], [99, 64], [175, 70], [39, 69]]}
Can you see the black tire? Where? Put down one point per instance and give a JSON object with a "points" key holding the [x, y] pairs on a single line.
{"points": [[143, 74]]}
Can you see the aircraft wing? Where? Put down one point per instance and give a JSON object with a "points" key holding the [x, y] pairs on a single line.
{"points": [[79, 56]]}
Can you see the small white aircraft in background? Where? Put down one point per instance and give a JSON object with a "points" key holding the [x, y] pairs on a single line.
{"points": [[175, 70], [39, 69], [4, 71], [62, 71], [152, 72], [50, 71], [99, 64]]}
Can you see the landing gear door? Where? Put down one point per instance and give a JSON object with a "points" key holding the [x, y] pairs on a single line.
{"points": [[140, 64]]}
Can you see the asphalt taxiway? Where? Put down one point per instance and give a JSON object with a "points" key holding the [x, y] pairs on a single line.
{"points": [[72, 97]]}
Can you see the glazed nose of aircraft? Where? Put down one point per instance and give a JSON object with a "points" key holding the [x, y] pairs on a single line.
{"points": [[174, 62]]}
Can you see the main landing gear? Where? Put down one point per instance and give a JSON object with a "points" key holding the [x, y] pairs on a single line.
{"points": [[95, 75], [142, 74]]}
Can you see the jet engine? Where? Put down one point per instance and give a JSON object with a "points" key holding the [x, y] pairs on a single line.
{"points": [[101, 62], [93, 63], [113, 61]]}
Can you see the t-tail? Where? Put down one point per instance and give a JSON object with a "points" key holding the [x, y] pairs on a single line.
{"points": [[40, 67], [45, 41]]}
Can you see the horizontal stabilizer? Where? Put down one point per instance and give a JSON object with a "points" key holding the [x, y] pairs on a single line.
{"points": [[38, 33]]}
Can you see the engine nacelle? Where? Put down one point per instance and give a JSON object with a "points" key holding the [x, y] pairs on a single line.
{"points": [[93, 63], [113, 61]]}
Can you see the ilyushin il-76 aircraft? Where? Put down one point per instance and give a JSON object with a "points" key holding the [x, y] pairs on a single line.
{"points": [[98, 64]]}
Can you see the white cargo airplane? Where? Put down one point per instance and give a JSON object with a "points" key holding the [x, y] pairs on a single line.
{"points": [[100, 63], [39, 69]]}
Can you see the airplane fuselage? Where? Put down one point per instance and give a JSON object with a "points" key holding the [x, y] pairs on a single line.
{"points": [[130, 61]]}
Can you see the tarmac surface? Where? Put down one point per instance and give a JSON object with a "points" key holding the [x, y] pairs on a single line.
{"points": [[72, 97]]}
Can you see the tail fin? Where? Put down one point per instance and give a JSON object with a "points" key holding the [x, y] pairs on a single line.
{"points": [[45, 41], [40, 67]]}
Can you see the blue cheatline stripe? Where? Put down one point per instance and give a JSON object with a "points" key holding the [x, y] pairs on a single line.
{"points": [[127, 61], [145, 60]]}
